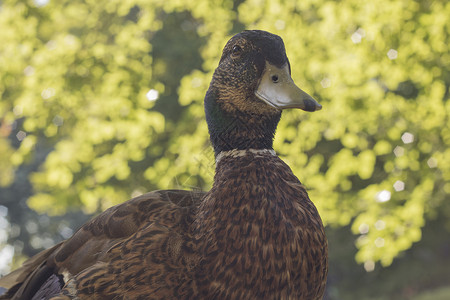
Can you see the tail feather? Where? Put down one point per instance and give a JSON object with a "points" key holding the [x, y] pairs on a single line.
{"points": [[30, 273]]}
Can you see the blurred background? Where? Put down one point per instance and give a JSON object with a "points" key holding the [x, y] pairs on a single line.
{"points": [[102, 100]]}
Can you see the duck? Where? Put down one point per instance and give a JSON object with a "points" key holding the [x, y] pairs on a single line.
{"points": [[254, 235]]}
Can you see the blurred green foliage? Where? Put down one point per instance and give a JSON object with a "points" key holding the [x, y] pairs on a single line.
{"points": [[74, 78]]}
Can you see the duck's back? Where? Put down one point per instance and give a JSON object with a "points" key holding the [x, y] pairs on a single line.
{"points": [[155, 262], [264, 238]]}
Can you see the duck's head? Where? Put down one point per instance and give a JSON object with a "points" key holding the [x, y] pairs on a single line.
{"points": [[248, 91]]}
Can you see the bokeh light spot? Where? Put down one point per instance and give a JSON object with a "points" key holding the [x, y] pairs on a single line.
{"points": [[17, 110], [380, 225], [28, 71], [51, 45], [48, 93], [58, 120], [21, 135], [196, 82], [369, 266], [392, 54], [41, 3], [3, 211], [358, 35], [408, 138], [399, 151], [65, 232], [6, 256], [363, 228], [152, 95], [399, 186], [379, 242], [432, 162], [383, 196], [280, 24], [326, 82]]}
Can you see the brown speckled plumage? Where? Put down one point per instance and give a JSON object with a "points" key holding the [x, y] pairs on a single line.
{"points": [[254, 235], [263, 237]]}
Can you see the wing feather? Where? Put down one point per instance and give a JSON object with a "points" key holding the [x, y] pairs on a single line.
{"points": [[90, 244]]}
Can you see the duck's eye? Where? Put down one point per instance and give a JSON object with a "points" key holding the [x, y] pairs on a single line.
{"points": [[275, 78], [236, 50]]}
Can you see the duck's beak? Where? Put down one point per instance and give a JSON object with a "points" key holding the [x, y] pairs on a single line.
{"points": [[277, 89]]}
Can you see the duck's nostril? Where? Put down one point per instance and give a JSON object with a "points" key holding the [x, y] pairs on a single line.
{"points": [[275, 78]]}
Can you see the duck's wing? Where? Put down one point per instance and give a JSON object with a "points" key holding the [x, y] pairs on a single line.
{"points": [[92, 241], [13, 281]]}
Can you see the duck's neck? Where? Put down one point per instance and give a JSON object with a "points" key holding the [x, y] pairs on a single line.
{"points": [[238, 153], [231, 128]]}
